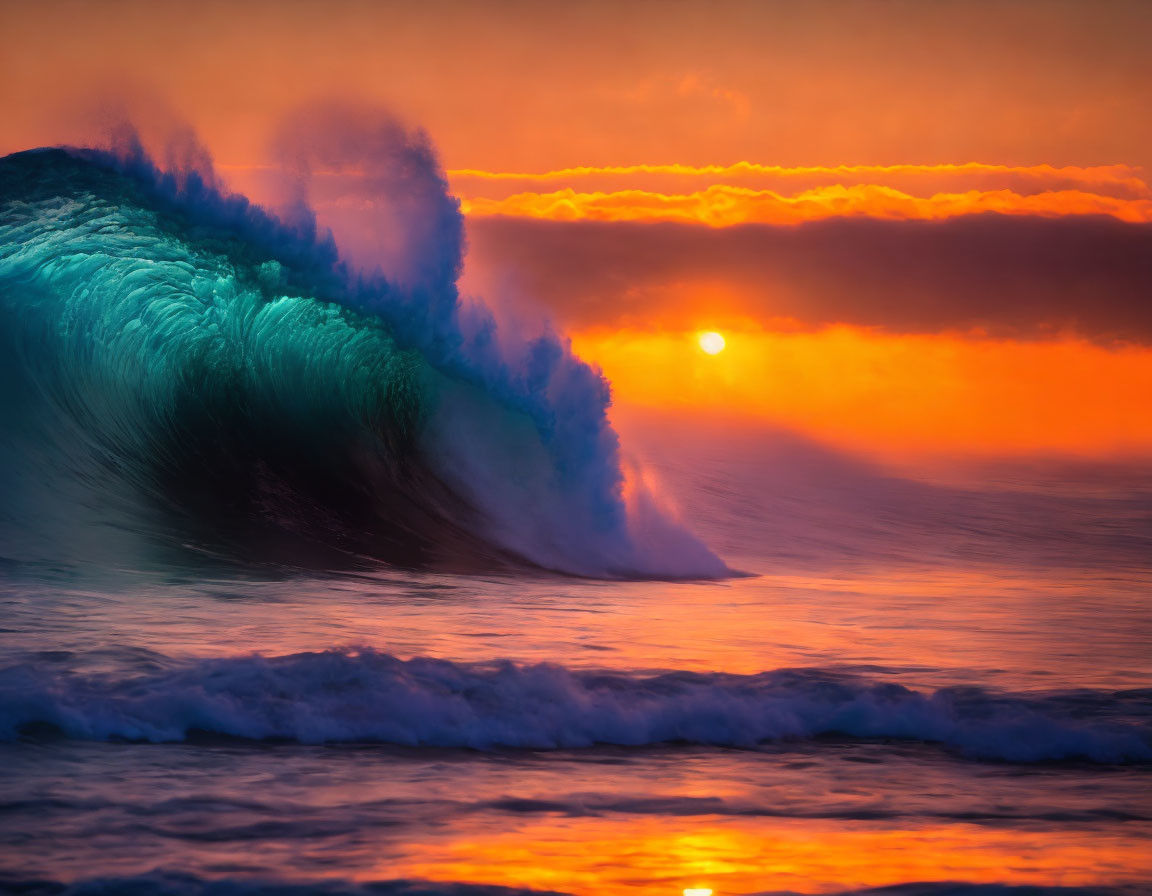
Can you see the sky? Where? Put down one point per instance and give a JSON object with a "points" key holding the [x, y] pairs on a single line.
{"points": [[921, 227]]}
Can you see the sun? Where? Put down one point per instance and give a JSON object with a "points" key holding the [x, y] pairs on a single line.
{"points": [[711, 342]]}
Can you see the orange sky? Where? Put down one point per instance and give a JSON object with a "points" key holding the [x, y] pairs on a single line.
{"points": [[854, 162], [896, 395], [522, 86]]}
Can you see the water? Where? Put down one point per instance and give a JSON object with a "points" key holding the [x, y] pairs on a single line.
{"points": [[276, 613], [1042, 663]]}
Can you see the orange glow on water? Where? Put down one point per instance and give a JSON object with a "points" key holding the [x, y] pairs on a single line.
{"points": [[654, 857]]}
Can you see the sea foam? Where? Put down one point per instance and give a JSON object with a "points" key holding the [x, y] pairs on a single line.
{"points": [[368, 696]]}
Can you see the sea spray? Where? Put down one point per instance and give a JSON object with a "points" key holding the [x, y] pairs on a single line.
{"points": [[187, 369]]}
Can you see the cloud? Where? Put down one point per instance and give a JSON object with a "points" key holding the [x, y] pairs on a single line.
{"points": [[1006, 275], [1121, 181], [721, 205]]}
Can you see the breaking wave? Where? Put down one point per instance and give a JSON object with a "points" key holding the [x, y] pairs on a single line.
{"points": [[367, 696], [189, 376]]}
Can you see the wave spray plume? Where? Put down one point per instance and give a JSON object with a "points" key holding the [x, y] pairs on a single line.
{"points": [[186, 369]]}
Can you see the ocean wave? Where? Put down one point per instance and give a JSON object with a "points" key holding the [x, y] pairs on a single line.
{"points": [[161, 883], [187, 375], [209, 819], [372, 697], [167, 883]]}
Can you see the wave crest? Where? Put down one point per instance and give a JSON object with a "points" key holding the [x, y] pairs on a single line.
{"points": [[367, 696], [188, 369]]}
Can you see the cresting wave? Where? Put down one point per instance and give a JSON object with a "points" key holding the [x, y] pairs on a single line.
{"points": [[372, 697], [188, 376]]}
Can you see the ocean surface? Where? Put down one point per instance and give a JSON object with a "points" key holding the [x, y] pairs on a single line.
{"points": [[851, 674]]}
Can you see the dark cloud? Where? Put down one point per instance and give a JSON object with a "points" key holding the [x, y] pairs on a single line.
{"points": [[1020, 276]]}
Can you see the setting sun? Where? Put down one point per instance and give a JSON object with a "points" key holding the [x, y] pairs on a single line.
{"points": [[364, 396], [711, 342]]}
